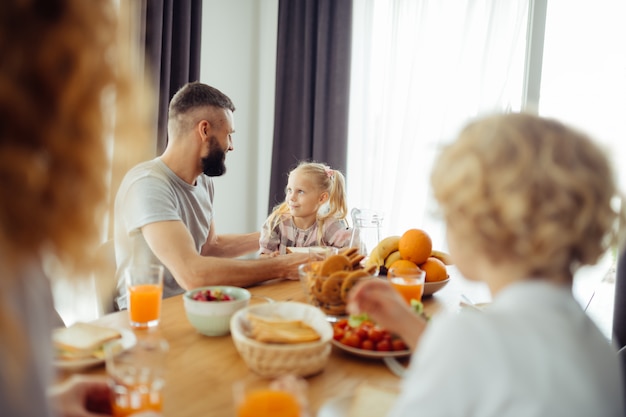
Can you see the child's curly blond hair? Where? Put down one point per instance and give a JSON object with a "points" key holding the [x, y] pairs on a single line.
{"points": [[530, 191]]}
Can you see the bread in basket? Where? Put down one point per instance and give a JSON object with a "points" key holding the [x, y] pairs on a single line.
{"points": [[275, 359]]}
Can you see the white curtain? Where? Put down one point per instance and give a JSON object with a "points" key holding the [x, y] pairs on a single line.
{"points": [[421, 70]]}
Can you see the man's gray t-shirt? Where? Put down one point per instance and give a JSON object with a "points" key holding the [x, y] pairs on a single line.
{"points": [[151, 192]]}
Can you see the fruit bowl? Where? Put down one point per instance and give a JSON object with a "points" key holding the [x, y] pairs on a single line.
{"points": [[432, 287], [212, 318], [329, 292]]}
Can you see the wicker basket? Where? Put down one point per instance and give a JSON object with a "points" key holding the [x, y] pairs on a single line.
{"points": [[272, 360]]}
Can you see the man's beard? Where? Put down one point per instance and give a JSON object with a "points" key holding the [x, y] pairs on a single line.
{"points": [[213, 163]]}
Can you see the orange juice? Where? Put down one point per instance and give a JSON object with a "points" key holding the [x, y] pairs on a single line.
{"points": [[269, 403], [135, 400], [409, 288], [144, 304]]}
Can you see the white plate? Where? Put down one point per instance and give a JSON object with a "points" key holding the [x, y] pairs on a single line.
{"points": [[336, 407], [128, 340], [371, 353]]}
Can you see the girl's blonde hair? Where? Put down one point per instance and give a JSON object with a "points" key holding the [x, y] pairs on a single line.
{"points": [[63, 84], [327, 180], [529, 190]]}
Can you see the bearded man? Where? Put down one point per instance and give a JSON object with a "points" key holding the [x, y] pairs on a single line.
{"points": [[164, 207]]}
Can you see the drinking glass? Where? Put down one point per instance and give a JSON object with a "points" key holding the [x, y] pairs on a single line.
{"points": [[136, 375], [409, 282], [145, 291], [285, 396], [319, 253]]}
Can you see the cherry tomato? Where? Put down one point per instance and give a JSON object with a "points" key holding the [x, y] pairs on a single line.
{"points": [[362, 331], [341, 323], [383, 346], [375, 334], [351, 339], [398, 344], [367, 344], [338, 334]]}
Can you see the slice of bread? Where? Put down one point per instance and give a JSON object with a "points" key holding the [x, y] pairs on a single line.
{"points": [[82, 340], [372, 401]]}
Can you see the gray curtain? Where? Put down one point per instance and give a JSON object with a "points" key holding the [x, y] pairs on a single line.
{"points": [[172, 42], [312, 87]]}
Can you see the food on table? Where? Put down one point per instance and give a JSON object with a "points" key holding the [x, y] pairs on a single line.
{"points": [[442, 256], [381, 251], [279, 330], [82, 341], [435, 270], [212, 295], [372, 401], [361, 333], [414, 247], [328, 282]]}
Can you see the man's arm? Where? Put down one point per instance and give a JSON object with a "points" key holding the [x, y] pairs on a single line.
{"points": [[171, 242], [231, 245]]}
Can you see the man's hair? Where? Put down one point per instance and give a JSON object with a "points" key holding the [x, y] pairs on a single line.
{"points": [[195, 95]]}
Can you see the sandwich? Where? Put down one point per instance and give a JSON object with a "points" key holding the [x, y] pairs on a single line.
{"points": [[82, 341]]}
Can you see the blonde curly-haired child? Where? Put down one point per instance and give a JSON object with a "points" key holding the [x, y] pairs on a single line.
{"points": [[527, 201]]}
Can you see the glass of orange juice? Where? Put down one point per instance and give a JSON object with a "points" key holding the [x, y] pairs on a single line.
{"points": [[281, 397], [409, 282], [145, 291], [136, 375]]}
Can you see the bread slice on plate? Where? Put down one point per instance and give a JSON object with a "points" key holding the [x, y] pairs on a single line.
{"points": [[82, 340], [372, 401]]}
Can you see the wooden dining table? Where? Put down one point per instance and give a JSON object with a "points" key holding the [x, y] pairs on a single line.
{"points": [[201, 370]]}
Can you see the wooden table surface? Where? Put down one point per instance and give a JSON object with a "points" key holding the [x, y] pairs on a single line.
{"points": [[202, 370]]}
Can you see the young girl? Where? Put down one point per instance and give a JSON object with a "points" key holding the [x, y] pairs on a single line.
{"points": [[298, 221], [527, 201]]}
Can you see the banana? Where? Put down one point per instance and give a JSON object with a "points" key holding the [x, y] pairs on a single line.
{"points": [[442, 256], [393, 256], [384, 248], [373, 260]]}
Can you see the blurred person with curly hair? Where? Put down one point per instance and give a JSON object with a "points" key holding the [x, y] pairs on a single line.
{"points": [[60, 74], [527, 202]]}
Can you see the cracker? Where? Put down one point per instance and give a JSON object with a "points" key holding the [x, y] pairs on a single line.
{"points": [[350, 281], [331, 291]]}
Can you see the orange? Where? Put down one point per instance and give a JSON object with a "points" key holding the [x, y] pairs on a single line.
{"points": [[435, 270], [403, 264], [415, 245]]}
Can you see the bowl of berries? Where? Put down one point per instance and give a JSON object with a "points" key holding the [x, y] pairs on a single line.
{"points": [[209, 309]]}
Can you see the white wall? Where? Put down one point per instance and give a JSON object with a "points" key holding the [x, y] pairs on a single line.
{"points": [[239, 58]]}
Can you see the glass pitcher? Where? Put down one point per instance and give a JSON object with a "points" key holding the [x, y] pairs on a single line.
{"points": [[366, 229]]}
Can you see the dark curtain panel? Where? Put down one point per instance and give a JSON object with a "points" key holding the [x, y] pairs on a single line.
{"points": [[312, 87], [172, 42], [619, 312]]}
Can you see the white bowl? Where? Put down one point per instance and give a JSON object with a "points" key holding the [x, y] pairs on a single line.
{"points": [[432, 287], [272, 359], [212, 318]]}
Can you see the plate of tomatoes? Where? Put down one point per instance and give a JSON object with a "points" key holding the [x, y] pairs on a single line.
{"points": [[362, 337]]}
